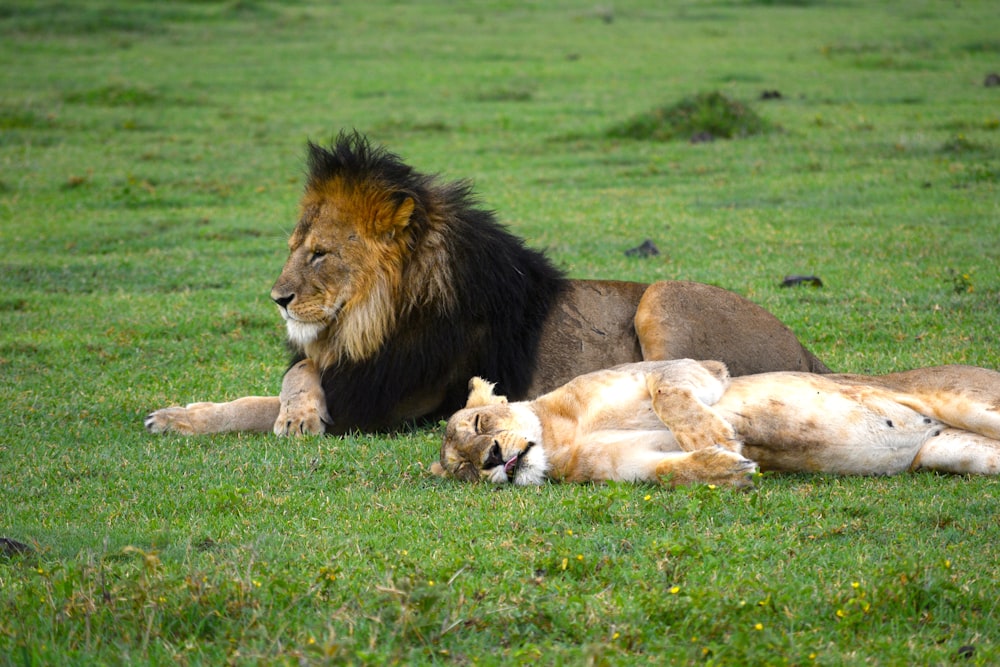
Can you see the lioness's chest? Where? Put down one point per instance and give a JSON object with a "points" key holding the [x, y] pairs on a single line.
{"points": [[619, 402]]}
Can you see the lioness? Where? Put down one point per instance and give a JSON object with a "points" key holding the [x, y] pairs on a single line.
{"points": [[398, 289], [686, 421]]}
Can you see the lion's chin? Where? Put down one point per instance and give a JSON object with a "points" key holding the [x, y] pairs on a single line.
{"points": [[301, 334]]}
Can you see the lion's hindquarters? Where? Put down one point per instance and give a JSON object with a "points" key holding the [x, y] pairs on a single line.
{"points": [[959, 452], [678, 319]]}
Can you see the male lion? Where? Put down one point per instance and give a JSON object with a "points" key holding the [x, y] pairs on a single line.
{"points": [[687, 421], [398, 289]]}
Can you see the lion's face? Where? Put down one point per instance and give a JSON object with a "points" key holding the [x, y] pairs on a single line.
{"points": [[493, 440], [337, 289]]}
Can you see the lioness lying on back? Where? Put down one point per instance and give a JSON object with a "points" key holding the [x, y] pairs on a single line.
{"points": [[687, 421]]}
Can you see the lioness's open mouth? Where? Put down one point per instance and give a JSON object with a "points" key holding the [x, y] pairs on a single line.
{"points": [[511, 466]]}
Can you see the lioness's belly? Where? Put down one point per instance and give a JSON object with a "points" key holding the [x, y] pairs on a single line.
{"points": [[803, 422]]}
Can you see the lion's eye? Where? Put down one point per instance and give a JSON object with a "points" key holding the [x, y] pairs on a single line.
{"points": [[317, 255], [475, 424]]}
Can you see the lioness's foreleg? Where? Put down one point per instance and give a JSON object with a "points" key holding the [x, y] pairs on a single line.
{"points": [[303, 403], [959, 452], [712, 465], [679, 403], [251, 413]]}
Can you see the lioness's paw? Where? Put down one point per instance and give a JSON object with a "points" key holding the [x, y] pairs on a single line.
{"points": [[301, 418], [169, 420], [725, 467], [708, 434]]}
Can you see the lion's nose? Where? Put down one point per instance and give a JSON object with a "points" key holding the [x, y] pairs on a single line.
{"points": [[283, 300]]}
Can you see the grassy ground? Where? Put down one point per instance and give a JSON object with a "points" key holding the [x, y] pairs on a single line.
{"points": [[151, 155]]}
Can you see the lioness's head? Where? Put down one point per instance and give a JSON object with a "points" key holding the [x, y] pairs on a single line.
{"points": [[492, 440], [349, 264]]}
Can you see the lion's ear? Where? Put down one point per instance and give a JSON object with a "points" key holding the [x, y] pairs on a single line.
{"points": [[438, 469], [481, 393], [400, 218]]}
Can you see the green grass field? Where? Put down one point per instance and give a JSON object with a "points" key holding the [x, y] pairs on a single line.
{"points": [[151, 157]]}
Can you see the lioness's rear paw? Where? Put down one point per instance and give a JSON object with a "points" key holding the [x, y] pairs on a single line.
{"points": [[300, 419], [169, 420], [725, 467]]}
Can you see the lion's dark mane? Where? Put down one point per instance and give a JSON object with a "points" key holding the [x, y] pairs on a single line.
{"points": [[502, 290]]}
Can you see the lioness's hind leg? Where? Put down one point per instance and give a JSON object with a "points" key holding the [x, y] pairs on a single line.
{"points": [[959, 452], [251, 413], [712, 465]]}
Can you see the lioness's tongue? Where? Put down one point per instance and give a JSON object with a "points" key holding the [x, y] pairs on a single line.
{"points": [[509, 466]]}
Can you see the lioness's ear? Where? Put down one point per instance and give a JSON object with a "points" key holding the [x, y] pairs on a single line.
{"points": [[481, 393], [438, 469]]}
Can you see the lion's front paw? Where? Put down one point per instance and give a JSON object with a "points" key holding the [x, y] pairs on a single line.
{"points": [[170, 420], [301, 417], [718, 465]]}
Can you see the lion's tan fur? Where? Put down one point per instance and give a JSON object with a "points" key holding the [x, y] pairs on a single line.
{"points": [[620, 424]]}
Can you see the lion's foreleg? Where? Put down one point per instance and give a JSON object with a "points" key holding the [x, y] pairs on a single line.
{"points": [[712, 465], [959, 452], [302, 402], [251, 413], [694, 424]]}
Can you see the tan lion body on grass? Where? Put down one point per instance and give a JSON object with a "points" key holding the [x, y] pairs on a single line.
{"points": [[686, 421], [398, 289]]}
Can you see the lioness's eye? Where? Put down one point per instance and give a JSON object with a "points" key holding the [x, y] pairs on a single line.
{"points": [[475, 424], [494, 457], [317, 255]]}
